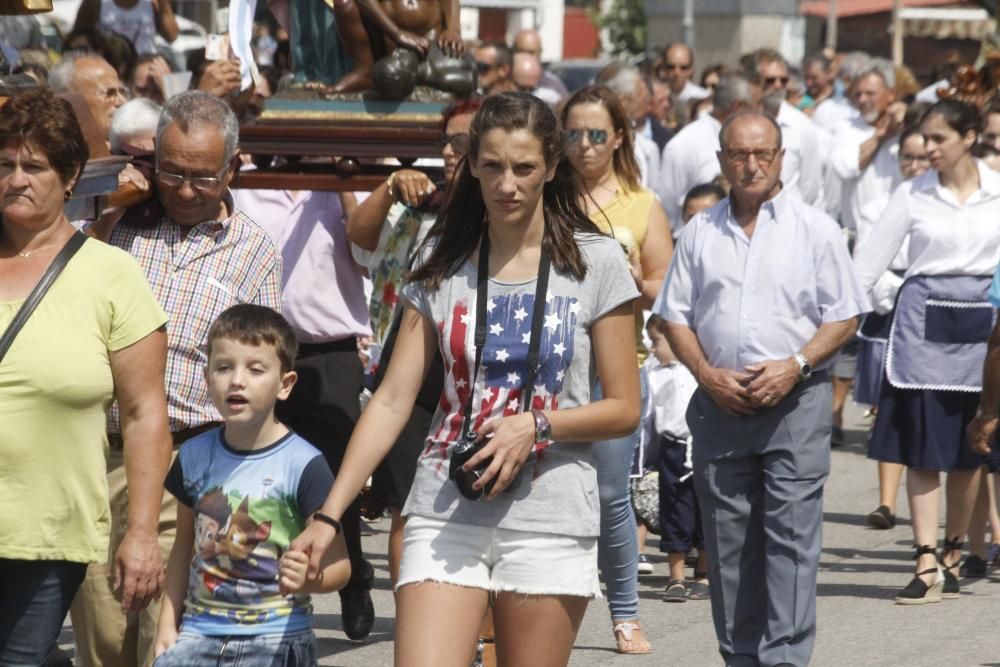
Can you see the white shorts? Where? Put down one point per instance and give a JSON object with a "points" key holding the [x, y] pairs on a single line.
{"points": [[498, 559]]}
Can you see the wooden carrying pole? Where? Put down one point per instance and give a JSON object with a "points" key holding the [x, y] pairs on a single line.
{"points": [[897, 33], [831, 24]]}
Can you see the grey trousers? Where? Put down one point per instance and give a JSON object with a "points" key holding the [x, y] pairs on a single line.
{"points": [[759, 481]]}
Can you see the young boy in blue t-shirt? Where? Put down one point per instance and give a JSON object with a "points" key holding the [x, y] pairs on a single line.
{"points": [[236, 594]]}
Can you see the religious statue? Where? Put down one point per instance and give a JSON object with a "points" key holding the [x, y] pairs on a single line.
{"points": [[388, 45]]}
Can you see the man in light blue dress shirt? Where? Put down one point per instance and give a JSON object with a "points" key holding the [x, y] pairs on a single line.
{"points": [[760, 296]]}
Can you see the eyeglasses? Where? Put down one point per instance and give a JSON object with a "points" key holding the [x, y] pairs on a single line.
{"points": [[771, 80], [110, 92], [199, 183], [483, 67], [459, 142], [595, 137], [764, 157]]}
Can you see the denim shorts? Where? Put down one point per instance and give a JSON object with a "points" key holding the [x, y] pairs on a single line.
{"points": [[273, 650], [498, 559]]}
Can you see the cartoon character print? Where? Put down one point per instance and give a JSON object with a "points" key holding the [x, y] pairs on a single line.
{"points": [[225, 542]]}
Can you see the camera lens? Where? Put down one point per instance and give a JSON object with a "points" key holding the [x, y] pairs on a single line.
{"points": [[464, 479]]}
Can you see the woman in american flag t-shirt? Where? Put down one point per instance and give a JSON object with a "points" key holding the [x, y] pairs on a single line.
{"points": [[531, 545]]}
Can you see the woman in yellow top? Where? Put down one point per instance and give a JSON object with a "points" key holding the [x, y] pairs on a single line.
{"points": [[599, 146], [96, 334]]}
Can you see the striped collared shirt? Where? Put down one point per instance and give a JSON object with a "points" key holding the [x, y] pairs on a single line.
{"points": [[195, 277]]}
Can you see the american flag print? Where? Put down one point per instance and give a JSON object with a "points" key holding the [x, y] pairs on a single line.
{"points": [[504, 370]]}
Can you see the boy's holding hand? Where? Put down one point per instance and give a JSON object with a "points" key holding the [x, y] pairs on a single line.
{"points": [[245, 491]]}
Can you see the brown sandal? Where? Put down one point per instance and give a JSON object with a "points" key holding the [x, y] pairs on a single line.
{"points": [[623, 635]]}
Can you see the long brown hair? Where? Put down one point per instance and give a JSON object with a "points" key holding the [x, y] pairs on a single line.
{"points": [[624, 163], [462, 222]]}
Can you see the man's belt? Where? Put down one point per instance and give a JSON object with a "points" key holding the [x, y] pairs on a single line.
{"points": [[115, 439]]}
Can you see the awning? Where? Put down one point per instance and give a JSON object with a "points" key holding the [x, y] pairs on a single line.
{"points": [[947, 23], [847, 8]]}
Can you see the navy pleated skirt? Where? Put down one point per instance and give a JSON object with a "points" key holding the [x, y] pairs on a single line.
{"points": [[925, 429]]}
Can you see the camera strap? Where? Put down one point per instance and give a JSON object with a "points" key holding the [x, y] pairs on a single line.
{"points": [[537, 320]]}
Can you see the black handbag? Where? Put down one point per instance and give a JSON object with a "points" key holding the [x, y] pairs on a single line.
{"points": [[74, 243]]}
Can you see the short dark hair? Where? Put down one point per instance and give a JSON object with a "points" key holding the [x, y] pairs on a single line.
{"points": [[40, 119], [704, 190], [656, 323], [959, 116], [251, 324], [504, 56]]}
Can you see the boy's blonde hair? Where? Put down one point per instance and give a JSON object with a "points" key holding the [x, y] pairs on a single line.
{"points": [[251, 324]]}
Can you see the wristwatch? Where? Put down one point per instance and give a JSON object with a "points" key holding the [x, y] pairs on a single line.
{"points": [[805, 368], [543, 429]]}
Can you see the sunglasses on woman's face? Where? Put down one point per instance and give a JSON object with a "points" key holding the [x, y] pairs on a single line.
{"points": [[595, 137]]}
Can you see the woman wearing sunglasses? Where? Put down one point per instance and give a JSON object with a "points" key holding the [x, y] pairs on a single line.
{"points": [[599, 147]]}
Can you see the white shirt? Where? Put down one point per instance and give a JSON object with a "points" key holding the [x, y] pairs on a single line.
{"points": [[830, 116], [834, 112], [946, 236], [929, 94], [670, 389], [689, 159], [647, 154], [762, 298], [802, 169], [883, 294], [693, 91], [859, 186]]}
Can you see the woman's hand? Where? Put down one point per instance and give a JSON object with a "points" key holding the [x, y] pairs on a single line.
{"points": [[635, 267], [314, 540], [411, 187], [139, 570], [511, 440], [980, 433]]}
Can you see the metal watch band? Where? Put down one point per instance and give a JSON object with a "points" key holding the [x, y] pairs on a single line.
{"points": [[543, 428]]}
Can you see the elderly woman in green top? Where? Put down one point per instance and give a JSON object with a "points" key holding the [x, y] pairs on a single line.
{"points": [[96, 335]]}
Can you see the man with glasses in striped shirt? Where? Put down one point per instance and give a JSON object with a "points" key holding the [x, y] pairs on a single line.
{"points": [[201, 255]]}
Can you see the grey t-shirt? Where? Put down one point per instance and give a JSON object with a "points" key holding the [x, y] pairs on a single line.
{"points": [[556, 490]]}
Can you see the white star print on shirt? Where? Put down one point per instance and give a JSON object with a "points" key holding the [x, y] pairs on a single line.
{"points": [[466, 319], [496, 329], [513, 378], [520, 314], [490, 305], [512, 404], [559, 349], [502, 355], [526, 338], [552, 322], [461, 383]]}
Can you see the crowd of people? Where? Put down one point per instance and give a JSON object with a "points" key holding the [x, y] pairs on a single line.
{"points": [[636, 307]]}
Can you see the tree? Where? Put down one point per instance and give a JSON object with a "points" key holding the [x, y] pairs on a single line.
{"points": [[625, 22]]}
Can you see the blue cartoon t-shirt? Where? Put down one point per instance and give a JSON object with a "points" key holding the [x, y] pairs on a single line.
{"points": [[248, 506]]}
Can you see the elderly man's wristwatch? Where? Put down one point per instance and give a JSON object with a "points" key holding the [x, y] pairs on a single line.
{"points": [[805, 368]]}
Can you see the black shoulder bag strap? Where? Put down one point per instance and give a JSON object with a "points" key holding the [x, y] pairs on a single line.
{"points": [[537, 319], [55, 268]]}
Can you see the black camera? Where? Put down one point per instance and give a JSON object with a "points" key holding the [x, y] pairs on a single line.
{"points": [[464, 450]]}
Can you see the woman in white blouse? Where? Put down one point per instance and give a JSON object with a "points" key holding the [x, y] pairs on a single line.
{"points": [[950, 217]]}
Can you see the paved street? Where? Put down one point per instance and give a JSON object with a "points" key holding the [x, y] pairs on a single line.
{"points": [[862, 569]]}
